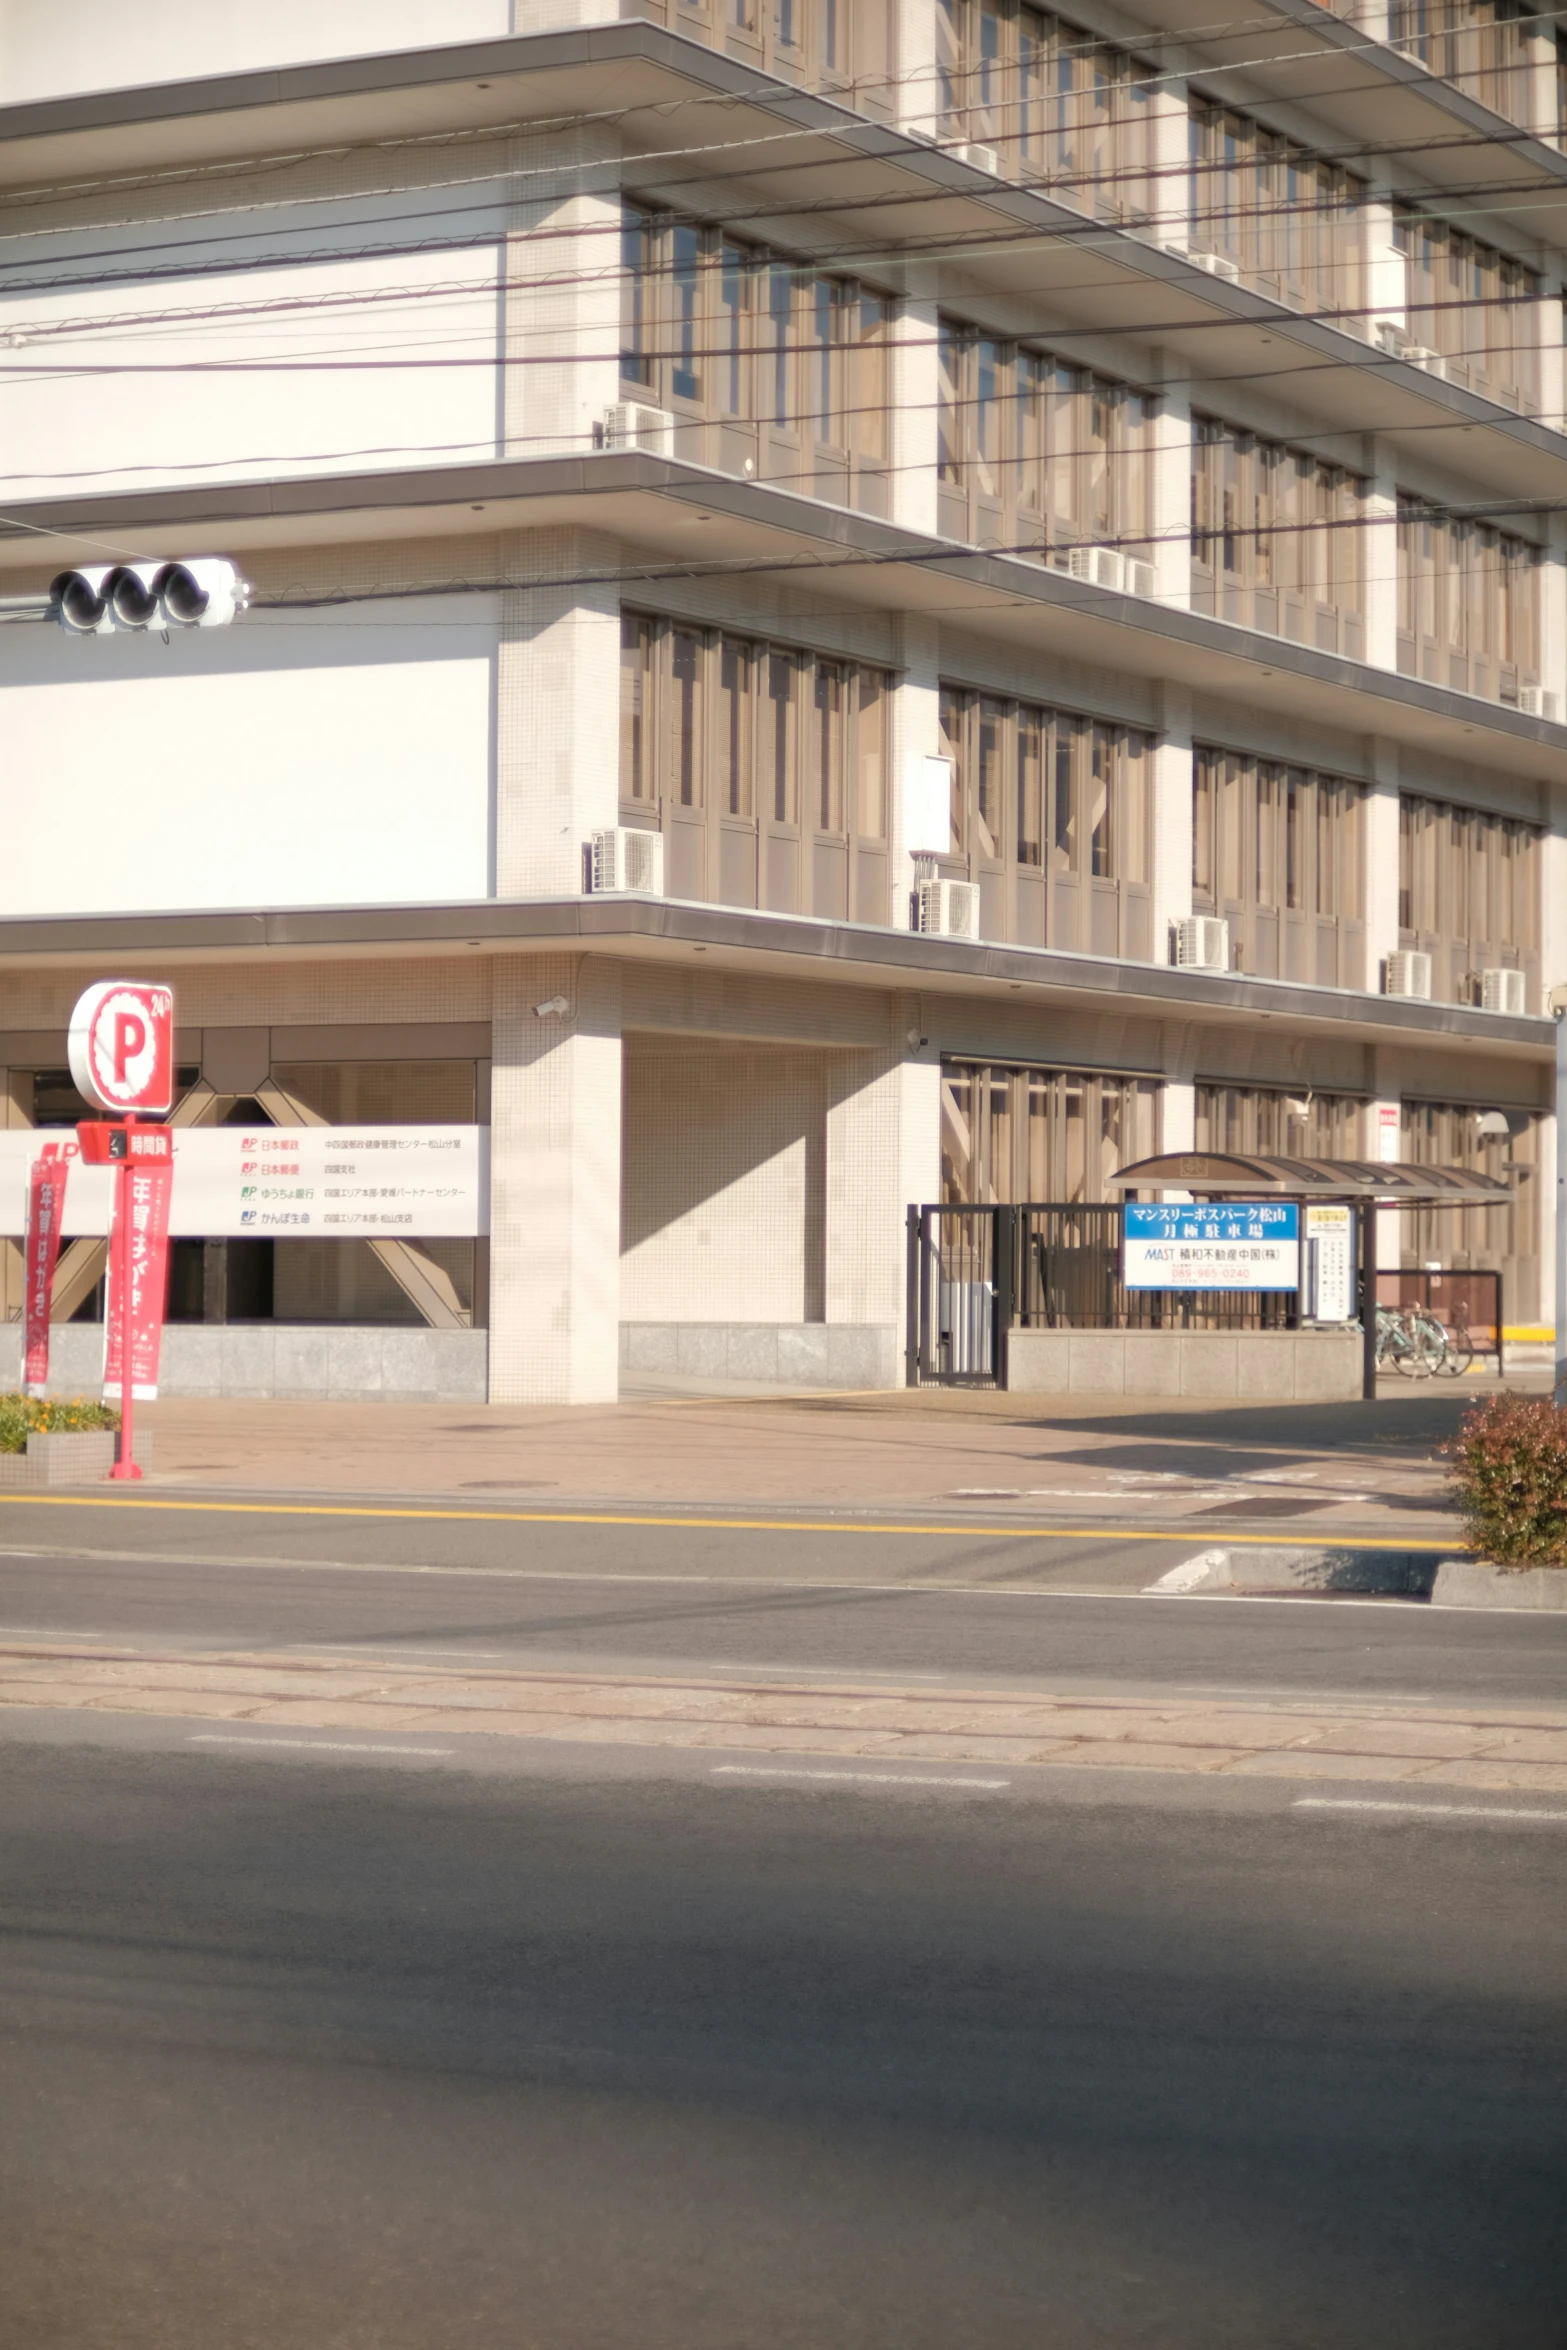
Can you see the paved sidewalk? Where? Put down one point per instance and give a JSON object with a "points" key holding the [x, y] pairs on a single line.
{"points": [[1498, 1749], [1326, 1467]]}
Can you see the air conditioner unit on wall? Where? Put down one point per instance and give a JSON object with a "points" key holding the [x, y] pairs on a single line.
{"points": [[1216, 264], [630, 425], [947, 909], [1102, 567], [1537, 701], [1141, 578], [626, 860], [1408, 973], [1202, 943], [983, 158], [1504, 991]]}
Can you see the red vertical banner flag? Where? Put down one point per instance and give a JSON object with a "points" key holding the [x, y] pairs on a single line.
{"points": [[139, 1247], [45, 1208]]}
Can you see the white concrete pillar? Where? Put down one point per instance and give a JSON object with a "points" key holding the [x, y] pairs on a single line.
{"points": [[557, 753], [1381, 854], [561, 334], [1169, 196], [1552, 361], [1172, 496], [914, 63], [555, 1181], [865, 1260], [1381, 542], [1170, 818], [913, 378], [916, 736], [1553, 614]]}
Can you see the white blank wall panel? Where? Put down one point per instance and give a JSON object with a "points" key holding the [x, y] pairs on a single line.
{"points": [[722, 1160], [299, 368], [303, 764], [47, 49]]}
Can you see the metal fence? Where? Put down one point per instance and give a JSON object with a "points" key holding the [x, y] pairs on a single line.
{"points": [[975, 1274], [1460, 1300]]}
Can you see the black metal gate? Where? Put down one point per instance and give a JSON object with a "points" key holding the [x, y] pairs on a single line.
{"points": [[960, 1295]]}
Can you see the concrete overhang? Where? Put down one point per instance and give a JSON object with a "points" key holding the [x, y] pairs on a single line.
{"points": [[786, 946], [677, 523], [823, 176]]}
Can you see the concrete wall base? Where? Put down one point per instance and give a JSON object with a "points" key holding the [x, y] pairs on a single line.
{"points": [[1264, 1366], [783, 1354], [1476, 1583], [318, 1362]]}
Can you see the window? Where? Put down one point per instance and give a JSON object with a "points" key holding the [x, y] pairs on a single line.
{"points": [[1277, 539], [1474, 305], [1039, 457], [1014, 1134], [1050, 816], [1291, 223], [841, 47], [1057, 107], [1278, 852], [763, 766], [1468, 603], [769, 370], [1484, 47], [1277, 1123], [1468, 893]]}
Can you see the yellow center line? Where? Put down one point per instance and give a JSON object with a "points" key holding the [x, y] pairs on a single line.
{"points": [[338, 1509]]}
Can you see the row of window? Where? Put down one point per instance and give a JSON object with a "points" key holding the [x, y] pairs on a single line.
{"points": [[1012, 1133], [1489, 49], [768, 369], [843, 48], [766, 770], [1038, 455], [1277, 542], [1279, 852], [1055, 106], [1468, 603]]}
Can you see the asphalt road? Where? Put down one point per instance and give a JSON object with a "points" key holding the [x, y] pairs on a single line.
{"points": [[668, 1597], [297, 2057]]}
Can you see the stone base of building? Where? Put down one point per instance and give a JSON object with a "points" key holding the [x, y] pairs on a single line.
{"points": [[782, 1354], [297, 1362], [1281, 1366]]}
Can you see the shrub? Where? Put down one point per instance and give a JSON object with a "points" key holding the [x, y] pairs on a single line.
{"points": [[22, 1416], [1509, 1471]]}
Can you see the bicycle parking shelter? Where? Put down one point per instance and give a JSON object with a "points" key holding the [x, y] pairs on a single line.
{"points": [[978, 1274], [1366, 1184]]}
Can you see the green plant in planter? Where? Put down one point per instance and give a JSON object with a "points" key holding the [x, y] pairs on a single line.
{"points": [[1509, 1472], [22, 1416]]}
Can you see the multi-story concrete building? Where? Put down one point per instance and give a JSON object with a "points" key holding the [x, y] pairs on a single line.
{"points": [[782, 427]]}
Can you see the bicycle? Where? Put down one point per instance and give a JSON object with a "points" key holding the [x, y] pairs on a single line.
{"points": [[1458, 1351], [1412, 1341]]}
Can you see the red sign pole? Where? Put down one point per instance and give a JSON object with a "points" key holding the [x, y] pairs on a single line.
{"points": [[125, 1451]]}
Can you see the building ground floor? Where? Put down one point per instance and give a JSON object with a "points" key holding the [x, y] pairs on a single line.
{"points": [[705, 1129]]}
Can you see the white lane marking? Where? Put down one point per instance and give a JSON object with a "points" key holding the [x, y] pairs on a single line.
{"points": [[408, 1656], [849, 1778], [1439, 1811], [315, 1745], [48, 1632]]}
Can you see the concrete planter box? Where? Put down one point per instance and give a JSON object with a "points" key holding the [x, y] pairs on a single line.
{"points": [[80, 1459], [1477, 1583], [1273, 1366]]}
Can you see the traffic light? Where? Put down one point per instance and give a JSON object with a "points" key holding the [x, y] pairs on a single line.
{"points": [[102, 600]]}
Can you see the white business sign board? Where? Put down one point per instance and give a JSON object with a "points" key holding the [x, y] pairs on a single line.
{"points": [[1217, 1244], [283, 1182]]}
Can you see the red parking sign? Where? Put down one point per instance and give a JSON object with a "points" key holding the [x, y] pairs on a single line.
{"points": [[122, 1047]]}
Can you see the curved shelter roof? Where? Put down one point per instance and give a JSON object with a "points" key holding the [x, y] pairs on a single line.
{"points": [[1220, 1173]]}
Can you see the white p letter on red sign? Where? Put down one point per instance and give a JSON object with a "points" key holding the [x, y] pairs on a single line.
{"points": [[122, 1047]]}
